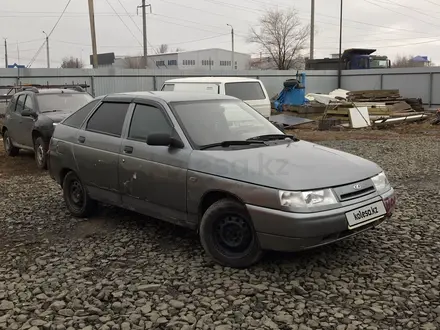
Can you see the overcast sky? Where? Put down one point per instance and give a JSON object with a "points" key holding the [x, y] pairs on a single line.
{"points": [[393, 27]]}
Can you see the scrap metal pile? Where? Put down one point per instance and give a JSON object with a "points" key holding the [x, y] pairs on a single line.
{"points": [[365, 108], [381, 104], [354, 109]]}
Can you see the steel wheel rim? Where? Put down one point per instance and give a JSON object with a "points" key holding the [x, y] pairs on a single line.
{"points": [[76, 193], [7, 143], [232, 235], [40, 154]]}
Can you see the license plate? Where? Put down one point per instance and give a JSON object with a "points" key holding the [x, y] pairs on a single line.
{"points": [[364, 214]]}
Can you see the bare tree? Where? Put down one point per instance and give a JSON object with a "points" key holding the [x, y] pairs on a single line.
{"points": [[162, 49], [403, 62], [282, 37], [72, 62], [136, 62]]}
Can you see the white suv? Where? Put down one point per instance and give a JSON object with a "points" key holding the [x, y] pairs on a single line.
{"points": [[249, 90]]}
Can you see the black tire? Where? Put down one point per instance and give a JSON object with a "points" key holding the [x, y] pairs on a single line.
{"points": [[291, 83], [10, 150], [77, 199], [40, 148], [239, 248]]}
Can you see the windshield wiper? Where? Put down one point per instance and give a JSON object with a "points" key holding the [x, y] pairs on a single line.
{"points": [[226, 144], [269, 137], [51, 111]]}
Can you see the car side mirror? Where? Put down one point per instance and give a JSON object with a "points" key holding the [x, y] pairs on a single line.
{"points": [[28, 113], [164, 139]]}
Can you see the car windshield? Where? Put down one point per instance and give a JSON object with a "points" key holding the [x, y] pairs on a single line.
{"points": [[67, 102], [376, 63], [215, 121]]}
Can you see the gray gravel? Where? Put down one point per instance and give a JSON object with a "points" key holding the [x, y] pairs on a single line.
{"points": [[120, 270]]}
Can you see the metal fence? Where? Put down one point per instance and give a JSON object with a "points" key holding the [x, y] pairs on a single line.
{"points": [[412, 82]]}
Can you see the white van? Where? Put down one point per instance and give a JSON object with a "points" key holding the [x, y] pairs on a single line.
{"points": [[249, 90]]}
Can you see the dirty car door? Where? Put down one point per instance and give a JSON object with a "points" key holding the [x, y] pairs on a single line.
{"points": [[97, 151], [153, 178], [15, 118], [27, 123]]}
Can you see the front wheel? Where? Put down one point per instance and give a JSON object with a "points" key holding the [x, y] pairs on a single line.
{"points": [[10, 150], [227, 235], [76, 197], [41, 148]]}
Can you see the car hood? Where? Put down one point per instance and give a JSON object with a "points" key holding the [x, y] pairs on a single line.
{"points": [[295, 166], [57, 116]]}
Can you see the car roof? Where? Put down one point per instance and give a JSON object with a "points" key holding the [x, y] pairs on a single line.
{"points": [[212, 80], [170, 96]]}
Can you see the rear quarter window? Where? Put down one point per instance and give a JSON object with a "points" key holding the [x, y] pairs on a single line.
{"points": [[245, 91], [12, 103]]}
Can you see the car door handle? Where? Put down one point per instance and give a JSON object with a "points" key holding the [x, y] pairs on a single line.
{"points": [[128, 150], [81, 139]]}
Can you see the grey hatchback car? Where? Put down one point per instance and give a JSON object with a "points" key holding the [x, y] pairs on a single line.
{"points": [[214, 164]]}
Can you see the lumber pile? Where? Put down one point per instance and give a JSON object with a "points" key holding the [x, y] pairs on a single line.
{"points": [[390, 97], [385, 108], [382, 95]]}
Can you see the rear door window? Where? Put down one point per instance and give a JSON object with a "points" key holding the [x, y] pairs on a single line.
{"points": [[108, 119], [20, 103], [77, 118], [245, 91]]}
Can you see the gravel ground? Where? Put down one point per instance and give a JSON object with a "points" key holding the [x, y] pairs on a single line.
{"points": [[120, 270]]}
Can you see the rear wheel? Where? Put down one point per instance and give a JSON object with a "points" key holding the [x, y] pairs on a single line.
{"points": [[76, 197], [9, 148], [41, 148], [227, 235]]}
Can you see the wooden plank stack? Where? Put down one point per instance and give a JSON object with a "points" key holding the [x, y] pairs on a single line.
{"points": [[382, 95], [380, 104]]}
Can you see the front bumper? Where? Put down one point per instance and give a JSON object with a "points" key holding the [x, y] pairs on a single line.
{"points": [[286, 231]]}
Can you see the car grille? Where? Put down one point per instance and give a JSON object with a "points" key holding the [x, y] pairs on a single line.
{"points": [[355, 190]]}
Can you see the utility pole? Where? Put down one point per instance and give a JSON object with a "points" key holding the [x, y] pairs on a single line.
{"points": [[144, 30], [340, 48], [47, 50], [6, 53], [93, 33], [233, 55], [312, 31]]}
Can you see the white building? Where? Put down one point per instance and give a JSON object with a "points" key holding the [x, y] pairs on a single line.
{"points": [[205, 59]]}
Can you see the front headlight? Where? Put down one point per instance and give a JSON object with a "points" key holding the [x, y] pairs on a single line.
{"points": [[54, 124], [307, 200], [381, 183]]}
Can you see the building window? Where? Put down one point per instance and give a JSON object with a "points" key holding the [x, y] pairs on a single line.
{"points": [[225, 63], [189, 62], [172, 62], [207, 62], [160, 63]]}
